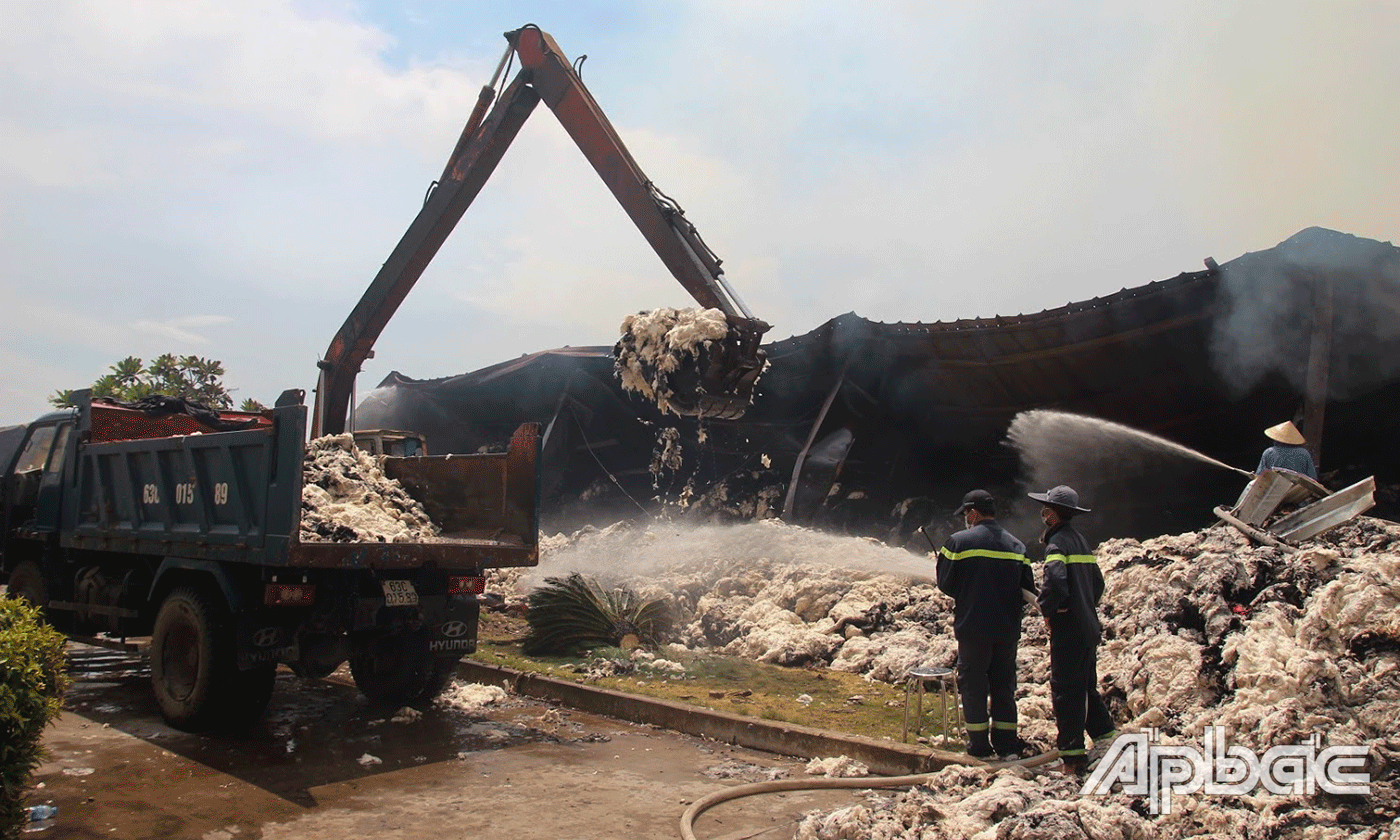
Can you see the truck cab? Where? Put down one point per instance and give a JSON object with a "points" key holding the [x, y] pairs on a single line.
{"points": [[34, 459]]}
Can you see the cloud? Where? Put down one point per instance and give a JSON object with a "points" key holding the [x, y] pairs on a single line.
{"points": [[179, 330]]}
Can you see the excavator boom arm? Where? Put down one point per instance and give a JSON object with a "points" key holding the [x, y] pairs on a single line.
{"points": [[546, 75], [672, 237]]}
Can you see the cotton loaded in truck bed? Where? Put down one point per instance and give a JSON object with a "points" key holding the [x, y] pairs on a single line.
{"points": [[345, 497]]}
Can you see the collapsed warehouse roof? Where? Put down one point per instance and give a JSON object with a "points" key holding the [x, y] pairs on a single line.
{"points": [[875, 428]]}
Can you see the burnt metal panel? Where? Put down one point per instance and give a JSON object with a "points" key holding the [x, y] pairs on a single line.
{"points": [[1207, 359]]}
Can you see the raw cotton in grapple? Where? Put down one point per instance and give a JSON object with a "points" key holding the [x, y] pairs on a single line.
{"points": [[655, 344]]}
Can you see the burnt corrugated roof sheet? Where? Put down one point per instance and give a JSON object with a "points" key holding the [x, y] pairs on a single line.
{"points": [[1207, 358]]}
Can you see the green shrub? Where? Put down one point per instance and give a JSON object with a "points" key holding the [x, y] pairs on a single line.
{"points": [[572, 613], [32, 682]]}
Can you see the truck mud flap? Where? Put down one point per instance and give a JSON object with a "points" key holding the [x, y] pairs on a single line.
{"points": [[261, 641], [455, 633]]}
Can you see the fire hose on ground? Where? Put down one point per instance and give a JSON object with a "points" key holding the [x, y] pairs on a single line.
{"points": [[701, 805]]}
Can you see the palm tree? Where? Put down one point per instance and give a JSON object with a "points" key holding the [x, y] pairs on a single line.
{"points": [[569, 614]]}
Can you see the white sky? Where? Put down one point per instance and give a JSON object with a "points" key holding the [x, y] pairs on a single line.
{"points": [[225, 179]]}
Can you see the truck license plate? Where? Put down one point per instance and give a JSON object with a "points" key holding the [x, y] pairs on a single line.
{"points": [[399, 593]]}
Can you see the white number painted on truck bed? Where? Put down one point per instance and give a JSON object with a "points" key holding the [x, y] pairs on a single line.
{"points": [[150, 494], [184, 494], [221, 493]]}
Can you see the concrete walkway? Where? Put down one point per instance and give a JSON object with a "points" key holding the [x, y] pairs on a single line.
{"points": [[883, 757]]}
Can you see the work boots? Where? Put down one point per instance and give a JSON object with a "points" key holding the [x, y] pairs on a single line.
{"points": [[1006, 742], [979, 744]]}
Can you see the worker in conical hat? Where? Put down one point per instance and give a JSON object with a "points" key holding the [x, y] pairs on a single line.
{"points": [[1288, 451]]}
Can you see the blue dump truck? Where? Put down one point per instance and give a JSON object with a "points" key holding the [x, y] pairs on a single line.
{"points": [[180, 532]]}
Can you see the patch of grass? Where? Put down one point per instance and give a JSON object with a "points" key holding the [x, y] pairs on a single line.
{"points": [[840, 702]]}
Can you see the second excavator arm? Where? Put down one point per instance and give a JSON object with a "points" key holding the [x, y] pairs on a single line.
{"points": [[719, 383]]}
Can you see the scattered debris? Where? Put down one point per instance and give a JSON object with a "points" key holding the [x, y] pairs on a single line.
{"points": [[668, 455], [739, 497], [407, 714], [368, 760], [744, 772], [601, 667], [469, 697], [839, 767]]}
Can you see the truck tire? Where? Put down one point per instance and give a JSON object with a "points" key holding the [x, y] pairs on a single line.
{"points": [[194, 672], [27, 582], [247, 700], [444, 669], [399, 669]]}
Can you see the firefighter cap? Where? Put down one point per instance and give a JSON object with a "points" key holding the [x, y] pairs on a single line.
{"points": [[1060, 496], [979, 499]]}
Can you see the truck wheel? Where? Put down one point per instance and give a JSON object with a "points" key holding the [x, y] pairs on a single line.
{"points": [[444, 668], [393, 670], [248, 698], [193, 670], [27, 582]]}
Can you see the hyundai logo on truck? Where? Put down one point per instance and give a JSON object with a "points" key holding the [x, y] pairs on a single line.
{"points": [[454, 629]]}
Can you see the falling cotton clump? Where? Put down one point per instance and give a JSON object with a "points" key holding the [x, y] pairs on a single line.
{"points": [[345, 497], [1202, 628]]}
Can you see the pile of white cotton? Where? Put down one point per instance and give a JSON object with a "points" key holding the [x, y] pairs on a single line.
{"points": [[1203, 628], [345, 497]]}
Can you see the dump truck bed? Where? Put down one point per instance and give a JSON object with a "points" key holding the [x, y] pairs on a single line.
{"points": [[237, 495]]}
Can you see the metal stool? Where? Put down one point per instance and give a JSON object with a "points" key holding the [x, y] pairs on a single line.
{"points": [[950, 713]]}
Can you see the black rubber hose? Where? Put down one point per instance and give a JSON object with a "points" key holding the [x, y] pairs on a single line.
{"points": [[701, 805]]}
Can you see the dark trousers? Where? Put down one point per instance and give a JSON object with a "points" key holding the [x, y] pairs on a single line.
{"points": [[987, 669], [1074, 694]]}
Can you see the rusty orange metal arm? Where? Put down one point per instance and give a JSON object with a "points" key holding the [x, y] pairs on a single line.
{"points": [[662, 222], [546, 75]]}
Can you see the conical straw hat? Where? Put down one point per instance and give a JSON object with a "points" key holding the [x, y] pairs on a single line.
{"points": [[1284, 432]]}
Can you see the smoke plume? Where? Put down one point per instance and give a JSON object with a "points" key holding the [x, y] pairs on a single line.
{"points": [[1274, 299]]}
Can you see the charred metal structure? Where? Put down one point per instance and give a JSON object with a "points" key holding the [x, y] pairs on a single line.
{"points": [[877, 428]]}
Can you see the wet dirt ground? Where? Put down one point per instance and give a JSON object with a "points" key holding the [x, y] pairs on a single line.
{"points": [[324, 763]]}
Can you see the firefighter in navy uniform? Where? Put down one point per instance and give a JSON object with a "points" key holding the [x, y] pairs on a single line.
{"points": [[1069, 596], [984, 568]]}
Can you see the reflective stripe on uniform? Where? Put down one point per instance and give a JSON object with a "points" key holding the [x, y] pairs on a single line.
{"points": [[977, 727], [983, 552], [1070, 558], [1001, 724]]}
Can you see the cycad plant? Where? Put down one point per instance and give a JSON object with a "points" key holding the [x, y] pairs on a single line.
{"points": [[570, 614]]}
